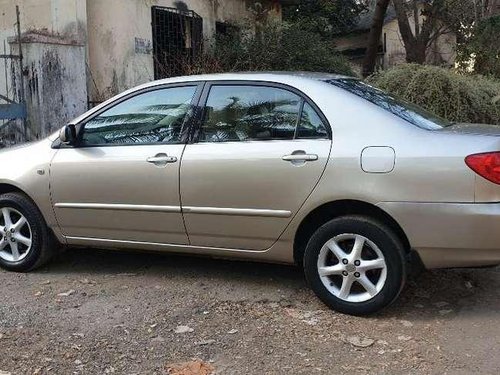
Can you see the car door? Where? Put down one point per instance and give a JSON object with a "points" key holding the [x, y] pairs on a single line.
{"points": [[121, 180], [257, 155]]}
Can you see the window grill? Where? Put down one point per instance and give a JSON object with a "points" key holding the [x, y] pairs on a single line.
{"points": [[177, 40]]}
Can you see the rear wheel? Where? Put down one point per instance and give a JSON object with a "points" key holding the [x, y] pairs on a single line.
{"points": [[25, 241], [355, 265]]}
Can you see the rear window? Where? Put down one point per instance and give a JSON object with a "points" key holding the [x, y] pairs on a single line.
{"points": [[407, 111]]}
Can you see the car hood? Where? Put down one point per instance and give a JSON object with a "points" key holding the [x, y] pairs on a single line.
{"points": [[477, 129], [51, 138], [16, 147]]}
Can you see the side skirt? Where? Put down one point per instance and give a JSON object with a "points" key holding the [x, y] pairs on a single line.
{"points": [[278, 253]]}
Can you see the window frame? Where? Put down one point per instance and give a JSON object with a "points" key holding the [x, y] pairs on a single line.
{"points": [[406, 105], [80, 126], [202, 108]]}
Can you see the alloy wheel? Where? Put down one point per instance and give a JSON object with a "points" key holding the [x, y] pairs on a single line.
{"points": [[15, 235], [352, 267]]}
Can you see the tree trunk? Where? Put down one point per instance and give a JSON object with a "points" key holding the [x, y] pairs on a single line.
{"points": [[374, 37], [415, 45], [415, 53]]}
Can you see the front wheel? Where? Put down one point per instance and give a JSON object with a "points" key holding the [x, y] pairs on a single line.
{"points": [[355, 265], [25, 241]]}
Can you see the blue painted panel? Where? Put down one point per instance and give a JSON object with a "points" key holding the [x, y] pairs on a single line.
{"points": [[12, 111]]}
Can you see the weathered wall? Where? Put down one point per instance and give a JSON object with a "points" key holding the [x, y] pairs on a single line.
{"points": [[54, 40], [66, 18], [113, 25], [55, 84]]}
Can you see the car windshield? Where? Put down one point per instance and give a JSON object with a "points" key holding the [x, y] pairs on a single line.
{"points": [[405, 110]]}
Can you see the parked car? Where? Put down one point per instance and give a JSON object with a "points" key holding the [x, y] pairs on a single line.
{"points": [[319, 170]]}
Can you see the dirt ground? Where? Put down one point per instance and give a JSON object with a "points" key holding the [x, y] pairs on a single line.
{"points": [[101, 312]]}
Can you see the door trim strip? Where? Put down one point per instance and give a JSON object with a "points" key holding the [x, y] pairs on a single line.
{"points": [[236, 211], [177, 209], [119, 207]]}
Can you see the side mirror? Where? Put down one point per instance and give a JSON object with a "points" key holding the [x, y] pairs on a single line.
{"points": [[67, 135]]}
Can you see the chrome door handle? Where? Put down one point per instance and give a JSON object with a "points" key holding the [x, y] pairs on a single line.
{"points": [[300, 157], [161, 159]]}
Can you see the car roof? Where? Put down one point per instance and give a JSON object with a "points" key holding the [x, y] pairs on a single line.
{"points": [[279, 77]]}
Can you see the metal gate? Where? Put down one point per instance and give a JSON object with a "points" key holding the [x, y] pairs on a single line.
{"points": [[13, 127], [177, 40]]}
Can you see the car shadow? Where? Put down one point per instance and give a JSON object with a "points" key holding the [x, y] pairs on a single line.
{"points": [[430, 295], [97, 261]]}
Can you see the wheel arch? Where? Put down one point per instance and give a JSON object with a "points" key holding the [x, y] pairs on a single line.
{"points": [[8, 187], [331, 210]]}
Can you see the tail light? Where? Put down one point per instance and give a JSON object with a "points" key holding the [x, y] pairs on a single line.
{"points": [[486, 165]]}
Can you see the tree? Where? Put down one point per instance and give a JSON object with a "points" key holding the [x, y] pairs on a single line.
{"points": [[475, 23], [431, 19], [325, 17], [416, 42], [483, 47], [479, 46], [374, 37]]}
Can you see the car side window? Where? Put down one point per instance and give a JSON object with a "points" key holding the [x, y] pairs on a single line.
{"points": [[149, 118], [311, 125], [246, 113]]}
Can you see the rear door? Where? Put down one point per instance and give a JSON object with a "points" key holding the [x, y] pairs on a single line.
{"points": [[259, 151]]}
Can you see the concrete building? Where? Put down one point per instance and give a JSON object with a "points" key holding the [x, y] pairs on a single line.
{"points": [[78, 52]]}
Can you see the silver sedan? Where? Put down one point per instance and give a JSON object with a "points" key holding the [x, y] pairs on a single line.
{"points": [[318, 170]]}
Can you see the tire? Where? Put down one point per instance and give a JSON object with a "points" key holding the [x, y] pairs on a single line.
{"points": [[381, 267], [42, 245]]}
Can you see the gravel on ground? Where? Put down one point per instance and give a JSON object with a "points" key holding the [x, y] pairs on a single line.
{"points": [[104, 312]]}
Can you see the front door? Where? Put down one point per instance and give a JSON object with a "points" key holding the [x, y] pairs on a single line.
{"points": [[258, 155], [121, 181]]}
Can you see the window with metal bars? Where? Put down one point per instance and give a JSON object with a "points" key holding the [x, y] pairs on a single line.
{"points": [[177, 40]]}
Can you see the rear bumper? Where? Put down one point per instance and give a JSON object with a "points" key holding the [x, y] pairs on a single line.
{"points": [[450, 234]]}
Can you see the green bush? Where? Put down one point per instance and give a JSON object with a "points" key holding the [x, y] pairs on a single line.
{"points": [[454, 96], [274, 47]]}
